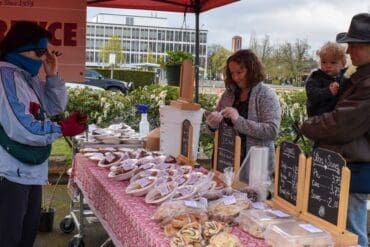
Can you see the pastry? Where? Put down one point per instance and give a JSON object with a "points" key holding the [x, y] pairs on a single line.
{"points": [[161, 193], [211, 228], [110, 159], [225, 239], [141, 186]]}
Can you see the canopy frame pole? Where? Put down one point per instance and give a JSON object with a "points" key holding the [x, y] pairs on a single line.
{"points": [[197, 12]]}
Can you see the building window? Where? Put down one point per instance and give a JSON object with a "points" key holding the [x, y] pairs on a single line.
{"points": [[186, 37], [177, 47], [99, 43], [126, 45], [129, 21], [90, 31], [161, 35], [127, 32], [169, 36], [169, 46], [108, 32], [118, 31], [143, 46], [203, 38], [144, 34], [153, 46], [135, 46], [178, 36], [135, 33], [161, 47], [89, 43], [152, 34], [100, 31]]}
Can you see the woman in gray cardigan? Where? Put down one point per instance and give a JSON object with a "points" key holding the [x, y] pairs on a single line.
{"points": [[252, 106]]}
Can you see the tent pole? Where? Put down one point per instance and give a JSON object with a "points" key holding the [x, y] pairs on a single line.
{"points": [[197, 10]]}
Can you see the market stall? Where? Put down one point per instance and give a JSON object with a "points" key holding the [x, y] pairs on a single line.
{"points": [[127, 219]]}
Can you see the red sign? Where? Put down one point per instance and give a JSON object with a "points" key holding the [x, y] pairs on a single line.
{"points": [[65, 20]]}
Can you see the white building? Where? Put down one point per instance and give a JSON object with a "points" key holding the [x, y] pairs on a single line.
{"points": [[140, 34]]}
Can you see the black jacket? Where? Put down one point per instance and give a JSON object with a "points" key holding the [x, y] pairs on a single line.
{"points": [[319, 97]]}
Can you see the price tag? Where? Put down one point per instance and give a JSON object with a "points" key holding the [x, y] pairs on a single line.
{"points": [[163, 166], [109, 157], [128, 166], [204, 202], [147, 166], [143, 182], [163, 189], [147, 173], [161, 180], [180, 180], [310, 228], [193, 179], [191, 203], [228, 200], [279, 213], [184, 191], [258, 205], [179, 172]]}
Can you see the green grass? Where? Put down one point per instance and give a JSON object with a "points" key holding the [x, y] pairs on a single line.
{"points": [[61, 148]]}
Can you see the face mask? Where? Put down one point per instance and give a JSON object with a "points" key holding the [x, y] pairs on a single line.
{"points": [[31, 65]]}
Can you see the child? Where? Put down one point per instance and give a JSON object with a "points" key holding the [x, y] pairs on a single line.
{"points": [[324, 84]]}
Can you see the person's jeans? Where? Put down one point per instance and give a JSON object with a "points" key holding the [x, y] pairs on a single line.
{"points": [[357, 217]]}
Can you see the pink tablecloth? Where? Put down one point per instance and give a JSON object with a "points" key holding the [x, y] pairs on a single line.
{"points": [[127, 219]]}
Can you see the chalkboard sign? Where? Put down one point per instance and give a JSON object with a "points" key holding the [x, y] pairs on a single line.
{"points": [[287, 179], [186, 138], [227, 147], [325, 185]]}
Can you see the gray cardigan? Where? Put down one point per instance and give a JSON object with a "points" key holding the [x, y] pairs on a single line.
{"points": [[264, 116]]}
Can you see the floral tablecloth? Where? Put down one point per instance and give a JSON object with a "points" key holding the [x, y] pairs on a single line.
{"points": [[126, 219]]}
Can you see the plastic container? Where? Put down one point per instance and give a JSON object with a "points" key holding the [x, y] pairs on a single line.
{"points": [[171, 119], [297, 234], [144, 124], [255, 221]]}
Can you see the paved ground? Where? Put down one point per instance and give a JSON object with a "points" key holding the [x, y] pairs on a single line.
{"points": [[95, 234]]}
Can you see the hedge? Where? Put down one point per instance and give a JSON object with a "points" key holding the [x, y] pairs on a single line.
{"points": [[139, 78]]}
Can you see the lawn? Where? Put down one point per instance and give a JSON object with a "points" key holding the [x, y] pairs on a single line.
{"points": [[61, 148]]}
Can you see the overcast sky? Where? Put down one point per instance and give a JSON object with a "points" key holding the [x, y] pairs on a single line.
{"points": [[316, 21]]}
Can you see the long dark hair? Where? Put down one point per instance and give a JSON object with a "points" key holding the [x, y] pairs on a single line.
{"points": [[255, 69], [20, 34]]}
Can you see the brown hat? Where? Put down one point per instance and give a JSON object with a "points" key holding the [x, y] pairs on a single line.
{"points": [[359, 30]]}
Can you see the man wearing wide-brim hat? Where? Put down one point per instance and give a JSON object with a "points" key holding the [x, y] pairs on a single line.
{"points": [[346, 130]]}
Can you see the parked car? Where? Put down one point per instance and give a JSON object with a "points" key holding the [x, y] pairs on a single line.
{"points": [[82, 85], [94, 78]]}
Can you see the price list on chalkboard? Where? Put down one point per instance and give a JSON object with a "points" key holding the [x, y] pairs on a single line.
{"points": [[226, 146], [288, 172], [185, 138], [324, 186]]}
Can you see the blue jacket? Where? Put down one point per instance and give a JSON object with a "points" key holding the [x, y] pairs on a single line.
{"points": [[17, 90]]}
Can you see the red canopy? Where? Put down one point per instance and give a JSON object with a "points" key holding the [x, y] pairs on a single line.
{"points": [[188, 6], [184, 6]]}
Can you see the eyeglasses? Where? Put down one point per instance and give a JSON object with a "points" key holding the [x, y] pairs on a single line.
{"points": [[39, 51]]}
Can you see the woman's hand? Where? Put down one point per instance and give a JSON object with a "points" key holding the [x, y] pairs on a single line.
{"points": [[230, 112], [51, 62], [213, 119]]}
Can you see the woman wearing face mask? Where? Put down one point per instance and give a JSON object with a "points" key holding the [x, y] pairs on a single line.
{"points": [[252, 106], [26, 133]]}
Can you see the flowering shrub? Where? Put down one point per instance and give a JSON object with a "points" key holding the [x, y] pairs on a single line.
{"points": [[293, 106], [106, 107]]}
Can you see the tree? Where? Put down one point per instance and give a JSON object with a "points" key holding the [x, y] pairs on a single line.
{"points": [[112, 46], [218, 61], [294, 57], [149, 57]]}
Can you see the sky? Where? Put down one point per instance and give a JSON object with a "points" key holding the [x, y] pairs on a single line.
{"points": [[315, 21]]}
